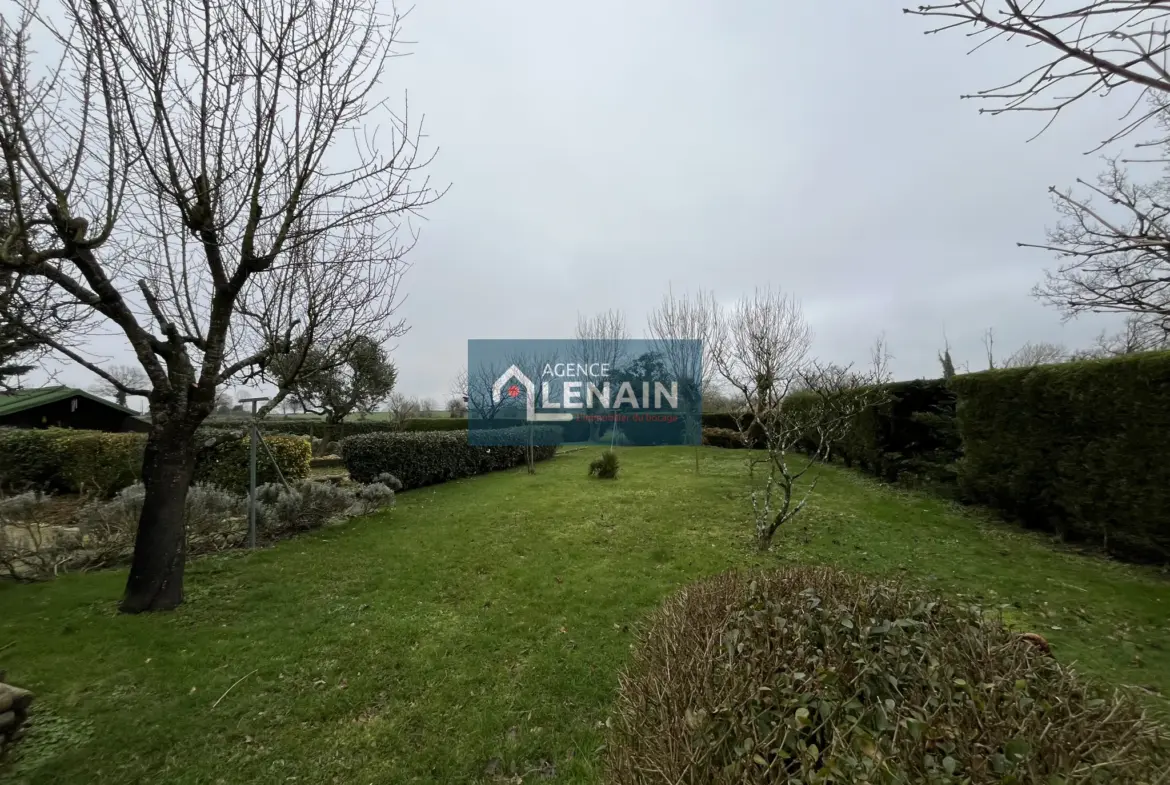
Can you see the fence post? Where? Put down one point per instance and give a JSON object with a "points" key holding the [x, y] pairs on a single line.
{"points": [[253, 431]]}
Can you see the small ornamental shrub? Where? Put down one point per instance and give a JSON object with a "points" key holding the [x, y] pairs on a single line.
{"points": [[389, 480], [306, 505], [374, 496], [814, 676], [605, 467]]}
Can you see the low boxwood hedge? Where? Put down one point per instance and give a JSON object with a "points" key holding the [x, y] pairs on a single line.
{"points": [[427, 457]]}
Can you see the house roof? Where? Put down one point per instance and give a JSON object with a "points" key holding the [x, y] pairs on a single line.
{"points": [[20, 400]]}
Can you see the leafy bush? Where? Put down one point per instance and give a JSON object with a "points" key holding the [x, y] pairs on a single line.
{"points": [[389, 480], [224, 462], [425, 458], [374, 496], [815, 676], [605, 467], [911, 433], [435, 424], [60, 459], [1074, 449], [724, 437], [303, 506], [317, 428], [74, 461], [216, 520]]}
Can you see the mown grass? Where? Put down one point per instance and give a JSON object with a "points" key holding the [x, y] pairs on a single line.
{"points": [[475, 632]]}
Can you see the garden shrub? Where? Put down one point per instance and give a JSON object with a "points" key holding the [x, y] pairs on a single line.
{"points": [[374, 496], [31, 459], [389, 480], [724, 437], [605, 467], [428, 457], [73, 461], [1074, 449], [911, 432], [301, 506], [815, 676], [435, 424], [319, 429], [224, 462]]}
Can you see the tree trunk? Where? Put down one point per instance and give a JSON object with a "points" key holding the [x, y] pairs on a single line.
{"points": [[160, 547]]}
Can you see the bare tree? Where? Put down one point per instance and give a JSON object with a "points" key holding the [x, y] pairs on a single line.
{"points": [[1092, 48], [401, 408], [129, 377], [601, 339], [476, 388], [224, 402], [426, 406], [194, 179], [1038, 353], [989, 347], [456, 407], [682, 330], [1112, 238], [761, 350], [1141, 333]]}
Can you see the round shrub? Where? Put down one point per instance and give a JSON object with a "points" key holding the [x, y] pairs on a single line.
{"points": [[815, 676], [389, 480], [605, 467]]}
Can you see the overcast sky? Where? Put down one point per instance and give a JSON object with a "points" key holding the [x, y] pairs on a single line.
{"points": [[599, 152]]}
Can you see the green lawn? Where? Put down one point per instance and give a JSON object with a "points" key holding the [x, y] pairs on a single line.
{"points": [[476, 631]]}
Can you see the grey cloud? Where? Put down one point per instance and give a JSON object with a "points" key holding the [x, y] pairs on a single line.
{"points": [[600, 151]]}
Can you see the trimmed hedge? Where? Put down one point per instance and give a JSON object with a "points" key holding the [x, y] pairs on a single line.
{"points": [[69, 461], [1074, 449], [429, 457], [226, 463], [912, 432], [305, 426], [728, 438]]}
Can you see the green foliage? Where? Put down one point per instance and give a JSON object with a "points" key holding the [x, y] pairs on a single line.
{"points": [[605, 467], [458, 582], [876, 684], [389, 480], [425, 458], [1074, 449], [70, 461], [302, 506], [317, 428], [225, 462], [435, 424], [336, 385], [728, 438], [31, 458], [724, 420], [60, 459], [912, 432]]}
